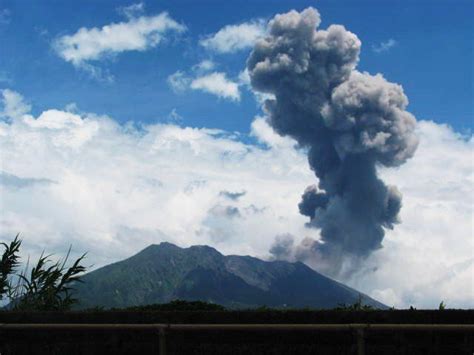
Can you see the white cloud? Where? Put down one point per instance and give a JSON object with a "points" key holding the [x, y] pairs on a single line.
{"points": [[215, 83], [262, 131], [178, 81], [137, 34], [174, 116], [429, 257], [133, 10], [13, 105], [233, 38], [204, 66], [384, 46], [218, 84], [117, 189]]}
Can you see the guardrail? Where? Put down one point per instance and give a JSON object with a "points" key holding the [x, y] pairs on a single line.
{"points": [[360, 329]]}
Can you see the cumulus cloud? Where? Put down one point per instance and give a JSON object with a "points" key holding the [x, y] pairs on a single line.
{"points": [[136, 34], [217, 84], [202, 78], [115, 186], [118, 189], [233, 38], [263, 132], [384, 46]]}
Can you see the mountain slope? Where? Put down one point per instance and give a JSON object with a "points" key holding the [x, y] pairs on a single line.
{"points": [[161, 273]]}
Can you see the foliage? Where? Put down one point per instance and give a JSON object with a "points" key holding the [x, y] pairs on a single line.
{"points": [[356, 306], [442, 306], [8, 264], [48, 286]]}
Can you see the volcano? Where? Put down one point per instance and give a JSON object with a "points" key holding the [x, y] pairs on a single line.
{"points": [[165, 272]]}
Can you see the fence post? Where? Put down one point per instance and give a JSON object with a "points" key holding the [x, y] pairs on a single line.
{"points": [[162, 342], [360, 341]]}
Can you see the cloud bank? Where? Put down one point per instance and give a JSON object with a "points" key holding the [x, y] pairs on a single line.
{"points": [[119, 188], [111, 189]]}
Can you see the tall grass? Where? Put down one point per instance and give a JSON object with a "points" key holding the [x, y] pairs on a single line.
{"points": [[47, 286]]}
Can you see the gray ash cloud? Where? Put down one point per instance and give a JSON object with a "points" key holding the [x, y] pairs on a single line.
{"points": [[350, 122], [232, 195], [282, 247]]}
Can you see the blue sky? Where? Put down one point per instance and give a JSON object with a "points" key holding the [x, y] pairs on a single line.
{"points": [[431, 57], [73, 73]]}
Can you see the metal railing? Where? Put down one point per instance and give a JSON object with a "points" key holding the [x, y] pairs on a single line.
{"points": [[360, 329]]}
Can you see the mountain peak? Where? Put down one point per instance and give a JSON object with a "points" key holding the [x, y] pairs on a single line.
{"points": [[204, 248], [164, 272], [165, 245]]}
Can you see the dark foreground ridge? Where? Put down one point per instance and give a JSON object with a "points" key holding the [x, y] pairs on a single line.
{"points": [[344, 340], [164, 272]]}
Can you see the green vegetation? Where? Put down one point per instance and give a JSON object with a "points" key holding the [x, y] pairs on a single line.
{"points": [[200, 306], [8, 264], [356, 306], [48, 286]]}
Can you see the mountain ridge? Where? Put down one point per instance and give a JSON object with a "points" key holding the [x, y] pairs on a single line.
{"points": [[164, 272]]}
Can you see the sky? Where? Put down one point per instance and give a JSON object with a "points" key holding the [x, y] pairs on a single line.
{"points": [[124, 124]]}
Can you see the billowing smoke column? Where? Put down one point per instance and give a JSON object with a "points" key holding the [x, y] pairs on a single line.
{"points": [[350, 122]]}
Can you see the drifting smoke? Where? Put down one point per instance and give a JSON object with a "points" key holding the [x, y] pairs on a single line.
{"points": [[282, 247], [349, 121]]}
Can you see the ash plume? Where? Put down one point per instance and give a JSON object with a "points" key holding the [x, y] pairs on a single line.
{"points": [[349, 122], [282, 247]]}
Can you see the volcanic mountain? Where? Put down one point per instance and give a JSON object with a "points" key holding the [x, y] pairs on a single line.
{"points": [[164, 272]]}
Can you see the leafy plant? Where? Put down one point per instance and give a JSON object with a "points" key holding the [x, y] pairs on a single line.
{"points": [[48, 286], [8, 264], [442, 306]]}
